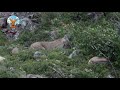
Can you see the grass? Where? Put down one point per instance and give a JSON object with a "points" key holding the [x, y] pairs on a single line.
{"points": [[91, 38]]}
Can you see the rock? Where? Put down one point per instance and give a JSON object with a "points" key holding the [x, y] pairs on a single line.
{"points": [[88, 70], [54, 34], [26, 23], [95, 15], [37, 55], [2, 59], [22, 74], [16, 35], [15, 50], [23, 23], [35, 76], [110, 76], [4, 30], [98, 60], [74, 54], [11, 68], [5, 14], [3, 22], [3, 68]]}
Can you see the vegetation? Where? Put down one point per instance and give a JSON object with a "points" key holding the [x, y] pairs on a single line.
{"points": [[99, 38]]}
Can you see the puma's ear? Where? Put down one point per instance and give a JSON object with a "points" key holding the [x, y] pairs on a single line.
{"points": [[66, 37]]}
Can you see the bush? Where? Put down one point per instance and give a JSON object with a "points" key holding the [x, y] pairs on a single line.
{"points": [[91, 38], [99, 40]]}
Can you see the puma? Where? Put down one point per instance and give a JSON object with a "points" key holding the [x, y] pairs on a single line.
{"points": [[59, 43]]}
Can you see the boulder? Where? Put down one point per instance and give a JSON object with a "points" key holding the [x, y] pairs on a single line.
{"points": [[98, 60], [74, 54], [26, 23], [95, 15], [35, 76], [37, 55], [3, 68], [3, 22], [15, 50], [110, 76], [54, 34], [2, 59], [5, 14], [16, 35]]}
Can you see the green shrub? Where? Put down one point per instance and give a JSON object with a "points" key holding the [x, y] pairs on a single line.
{"points": [[91, 38], [97, 40]]}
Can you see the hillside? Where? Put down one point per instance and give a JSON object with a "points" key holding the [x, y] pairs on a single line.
{"points": [[90, 34]]}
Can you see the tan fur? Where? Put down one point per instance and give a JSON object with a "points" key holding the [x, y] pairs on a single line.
{"points": [[59, 43]]}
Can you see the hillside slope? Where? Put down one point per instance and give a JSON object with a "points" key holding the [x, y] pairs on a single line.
{"points": [[90, 34]]}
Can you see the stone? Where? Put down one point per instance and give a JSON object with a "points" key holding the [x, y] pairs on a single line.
{"points": [[74, 54], [15, 50], [16, 35], [23, 24], [54, 34], [3, 68], [26, 23], [12, 69], [88, 70], [98, 60], [3, 23], [110, 76], [2, 59], [37, 55], [95, 15], [22, 74], [35, 76], [5, 14], [4, 30]]}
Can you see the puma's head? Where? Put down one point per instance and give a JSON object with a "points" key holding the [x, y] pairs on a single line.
{"points": [[66, 41]]}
